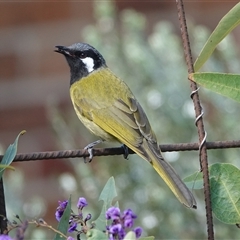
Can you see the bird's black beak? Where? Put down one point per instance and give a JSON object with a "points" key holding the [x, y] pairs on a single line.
{"points": [[63, 50]]}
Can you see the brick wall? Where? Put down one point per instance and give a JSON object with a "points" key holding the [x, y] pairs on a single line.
{"points": [[30, 72]]}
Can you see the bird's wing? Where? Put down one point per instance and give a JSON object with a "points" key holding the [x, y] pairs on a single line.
{"points": [[125, 120]]}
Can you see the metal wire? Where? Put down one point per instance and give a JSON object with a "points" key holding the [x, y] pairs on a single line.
{"points": [[120, 150], [203, 141]]}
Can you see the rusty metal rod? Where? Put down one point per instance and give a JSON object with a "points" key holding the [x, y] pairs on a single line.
{"points": [[199, 120], [119, 151]]}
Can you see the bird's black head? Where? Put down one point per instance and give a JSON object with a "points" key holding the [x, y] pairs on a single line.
{"points": [[82, 59]]}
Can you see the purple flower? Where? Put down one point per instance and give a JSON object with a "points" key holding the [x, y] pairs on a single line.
{"points": [[110, 237], [115, 229], [138, 232], [121, 222], [113, 213], [121, 234], [60, 209], [58, 215], [63, 204], [128, 223], [70, 238], [5, 237], [129, 213], [72, 227], [21, 230], [82, 202], [88, 217]]}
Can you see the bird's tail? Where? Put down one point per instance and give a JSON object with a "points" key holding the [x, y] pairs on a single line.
{"points": [[152, 153]]}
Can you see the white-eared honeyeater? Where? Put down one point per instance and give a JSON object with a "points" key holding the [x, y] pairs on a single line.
{"points": [[108, 108]]}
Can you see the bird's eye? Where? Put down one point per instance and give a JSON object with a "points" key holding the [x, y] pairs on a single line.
{"points": [[82, 54]]}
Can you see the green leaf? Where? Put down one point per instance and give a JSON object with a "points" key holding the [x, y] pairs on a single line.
{"points": [[194, 181], [3, 166], [225, 192], [224, 27], [95, 234], [64, 221], [147, 238], [10, 154], [107, 195], [225, 84], [130, 236]]}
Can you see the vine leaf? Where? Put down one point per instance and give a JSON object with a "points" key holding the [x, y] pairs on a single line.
{"points": [[224, 27], [194, 181], [147, 238], [225, 84], [94, 234], [130, 236], [225, 192], [107, 196], [10, 154]]}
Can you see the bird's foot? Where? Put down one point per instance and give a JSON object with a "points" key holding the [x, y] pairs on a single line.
{"points": [[89, 148], [126, 151]]}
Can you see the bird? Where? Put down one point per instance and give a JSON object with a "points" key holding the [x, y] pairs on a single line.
{"points": [[107, 107]]}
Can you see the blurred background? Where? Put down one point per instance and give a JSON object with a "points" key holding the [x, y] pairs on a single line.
{"points": [[141, 43]]}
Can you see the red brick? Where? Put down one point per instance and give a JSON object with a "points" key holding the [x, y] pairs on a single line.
{"points": [[32, 117], [8, 66], [15, 14]]}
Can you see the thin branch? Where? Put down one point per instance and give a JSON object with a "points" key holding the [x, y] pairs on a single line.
{"points": [[199, 119], [42, 223], [119, 151]]}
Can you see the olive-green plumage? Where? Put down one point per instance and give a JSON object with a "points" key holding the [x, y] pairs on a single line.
{"points": [[107, 107]]}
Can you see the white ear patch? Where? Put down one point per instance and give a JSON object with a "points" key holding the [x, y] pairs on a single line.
{"points": [[89, 63]]}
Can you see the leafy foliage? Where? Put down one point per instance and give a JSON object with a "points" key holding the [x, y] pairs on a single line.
{"points": [[224, 186], [225, 26], [225, 84], [107, 195], [10, 154], [194, 181], [64, 221], [225, 194], [95, 234], [224, 178]]}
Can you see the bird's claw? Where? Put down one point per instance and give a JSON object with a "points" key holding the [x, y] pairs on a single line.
{"points": [[90, 151], [89, 148], [126, 152]]}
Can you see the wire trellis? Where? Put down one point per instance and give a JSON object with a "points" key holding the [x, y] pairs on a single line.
{"points": [[199, 120], [81, 153]]}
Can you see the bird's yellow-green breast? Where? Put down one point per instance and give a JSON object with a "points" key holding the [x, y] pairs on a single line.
{"points": [[95, 94]]}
